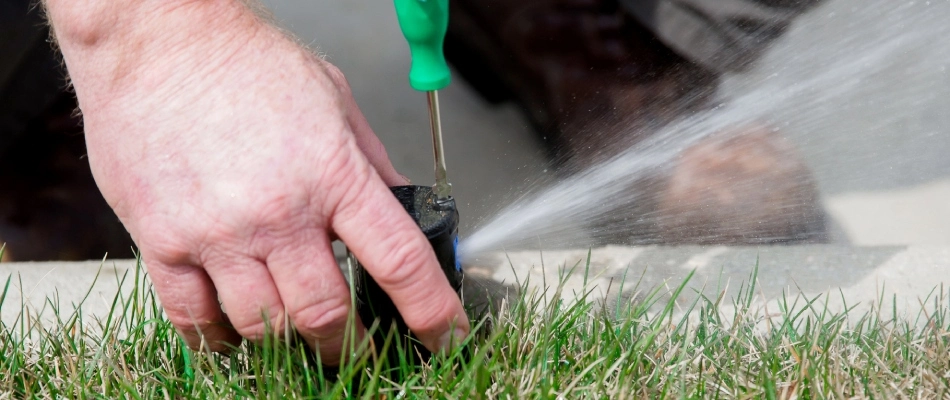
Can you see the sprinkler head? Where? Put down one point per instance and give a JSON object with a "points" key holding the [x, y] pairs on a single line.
{"points": [[438, 219]]}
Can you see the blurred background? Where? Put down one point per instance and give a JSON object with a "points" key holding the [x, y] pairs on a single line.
{"points": [[882, 163]]}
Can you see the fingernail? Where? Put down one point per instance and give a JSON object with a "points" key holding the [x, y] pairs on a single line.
{"points": [[406, 179], [452, 338]]}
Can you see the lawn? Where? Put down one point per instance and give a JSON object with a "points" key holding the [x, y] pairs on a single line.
{"points": [[586, 348]]}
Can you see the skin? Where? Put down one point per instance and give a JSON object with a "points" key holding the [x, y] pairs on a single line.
{"points": [[234, 156]]}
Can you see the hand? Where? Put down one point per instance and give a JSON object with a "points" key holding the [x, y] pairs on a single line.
{"points": [[233, 157]]}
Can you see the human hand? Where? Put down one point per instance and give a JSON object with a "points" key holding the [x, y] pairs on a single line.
{"points": [[234, 157]]}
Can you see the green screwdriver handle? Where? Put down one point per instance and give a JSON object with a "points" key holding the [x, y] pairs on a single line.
{"points": [[424, 23]]}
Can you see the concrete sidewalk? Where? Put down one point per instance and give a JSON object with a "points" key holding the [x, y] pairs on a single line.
{"points": [[850, 275], [856, 277]]}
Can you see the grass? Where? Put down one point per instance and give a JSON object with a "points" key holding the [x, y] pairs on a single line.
{"points": [[536, 349]]}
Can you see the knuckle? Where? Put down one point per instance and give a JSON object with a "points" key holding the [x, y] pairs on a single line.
{"points": [[346, 178], [254, 330], [160, 243], [188, 322], [323, 318], [337, 77], [275, 211], [256, 327], [407, 263], [165, 251], [182, 322], [342, 162], [278, 218], [435, 316]]}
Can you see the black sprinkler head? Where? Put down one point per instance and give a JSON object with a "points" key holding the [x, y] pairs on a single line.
{"points": [[438, 219]]}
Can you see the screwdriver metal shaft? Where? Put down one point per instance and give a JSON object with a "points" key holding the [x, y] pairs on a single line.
{"points": [[442, 187]]}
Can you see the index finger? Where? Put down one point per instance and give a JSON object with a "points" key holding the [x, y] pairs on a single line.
{"points": [[395, 252]]}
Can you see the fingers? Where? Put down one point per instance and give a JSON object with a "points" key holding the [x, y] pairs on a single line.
{"points": [[301, 282], [249, 295], [398, 256], [190, 302], [315, 293]]}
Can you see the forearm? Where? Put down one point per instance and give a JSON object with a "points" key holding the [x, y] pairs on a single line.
{"points": [[110, 46]]}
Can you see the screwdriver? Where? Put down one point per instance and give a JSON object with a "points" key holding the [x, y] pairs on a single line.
{"points": [[424, 24]]}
